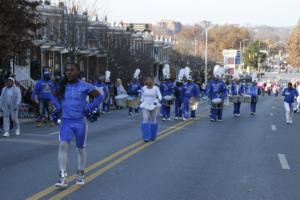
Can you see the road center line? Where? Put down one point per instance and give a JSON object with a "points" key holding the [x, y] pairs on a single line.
{"points": [[52, 188], [93, 176], [283, 161], [274, 128]]}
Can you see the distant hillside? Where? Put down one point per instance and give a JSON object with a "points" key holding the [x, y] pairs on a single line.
{"points": [[278, 34]]}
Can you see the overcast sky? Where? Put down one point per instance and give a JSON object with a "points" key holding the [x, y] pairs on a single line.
{"points": [[254, 12]]}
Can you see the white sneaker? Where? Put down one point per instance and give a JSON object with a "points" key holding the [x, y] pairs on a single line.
{"points": [[62, 181], [18, 132], [184, 119], [176, 118], [169, 119], [164, 119], [6, 134]]}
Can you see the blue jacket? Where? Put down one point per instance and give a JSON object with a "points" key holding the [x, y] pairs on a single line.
{"points": [[178, 92], [190, 90], [74, 104], [289, 95], [43, 89], [216, 89], [134, 88], [252, 90], [167, 88], [237, 89]]}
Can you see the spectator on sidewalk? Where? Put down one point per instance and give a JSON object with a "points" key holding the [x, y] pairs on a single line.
{"points": [[10, 100]]}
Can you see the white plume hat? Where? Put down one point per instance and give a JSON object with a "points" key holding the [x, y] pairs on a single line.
{"points": [[136, 73]]}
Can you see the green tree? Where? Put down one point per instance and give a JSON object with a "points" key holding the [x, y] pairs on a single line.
{"points": [[18, 23], [293, 47], [253, 54]]}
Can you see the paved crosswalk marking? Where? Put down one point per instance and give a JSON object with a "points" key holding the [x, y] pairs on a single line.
{"points": [[283, 161]]}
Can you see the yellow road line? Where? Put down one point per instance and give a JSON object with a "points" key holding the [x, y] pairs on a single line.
{"points": [[52, 188], [93, 176]]}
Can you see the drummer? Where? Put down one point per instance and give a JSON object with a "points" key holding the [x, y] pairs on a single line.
{"points": [[253, 92], [167, 91], [134, 89], [189, 90], [102, 89], [120, 90], [217, 90], [178, 95], [237, 89], [108, 99]]}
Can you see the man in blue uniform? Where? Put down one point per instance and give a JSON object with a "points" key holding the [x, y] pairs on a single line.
{"points": [[178, 100], [134, 89], [166, 89], [289, 94], [71, 102], [102, 89], [41, 95], [237, 89], [253, 92], [216, 89], [189, 90]]}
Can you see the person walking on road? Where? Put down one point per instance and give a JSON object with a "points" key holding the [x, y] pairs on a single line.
{"points": [[9, 102], [289, 94], [72, 105], [41, 95], [150, 103]]}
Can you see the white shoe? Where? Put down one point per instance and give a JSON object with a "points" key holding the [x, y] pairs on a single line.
{"points": [[6, 134], [164, 119], [18, 132], [176, 118], [184, 119], [62, 181], [169, 119]]}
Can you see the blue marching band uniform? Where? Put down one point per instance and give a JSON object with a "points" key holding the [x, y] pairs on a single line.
{"points": [[42, 94], [166, 89], [134, 89], [189, 90], [237, 89], [216, 90]]}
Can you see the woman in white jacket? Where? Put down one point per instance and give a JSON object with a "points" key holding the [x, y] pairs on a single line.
{"points": [[9, 101], [150, 103]]}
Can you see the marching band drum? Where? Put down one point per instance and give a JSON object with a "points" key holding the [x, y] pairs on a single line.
{"points": [[246, 98], [193, 103], [121, 100], [133, 101], [217, 103], [168, 100], [234, 98]]}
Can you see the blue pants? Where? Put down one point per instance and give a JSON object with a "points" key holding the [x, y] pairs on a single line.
{"points": [[149, 131], [236, 108], [253, 104], [74, 127], [178, 108], [186, 109], [45, 109], [106, 107], [136, 110], [216, 114], [166, 111]]}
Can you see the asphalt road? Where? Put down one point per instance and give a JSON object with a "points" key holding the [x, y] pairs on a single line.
{"points": [[246, 158]]}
